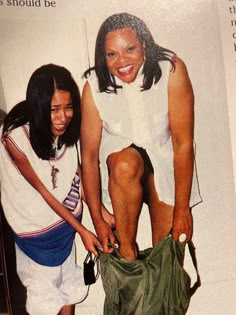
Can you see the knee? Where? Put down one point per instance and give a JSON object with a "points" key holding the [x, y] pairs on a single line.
{"points": [[124, 166]]}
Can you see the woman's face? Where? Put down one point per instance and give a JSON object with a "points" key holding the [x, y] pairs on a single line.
{"points": [[61, 112], [124, 54]]}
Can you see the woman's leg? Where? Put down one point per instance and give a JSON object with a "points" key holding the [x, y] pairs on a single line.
{"points": [[67, 310], [161, 214], [125, 171]]}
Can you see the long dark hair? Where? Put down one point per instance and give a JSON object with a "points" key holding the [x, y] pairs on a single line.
{"points": [[153, 52], [36, 109]]}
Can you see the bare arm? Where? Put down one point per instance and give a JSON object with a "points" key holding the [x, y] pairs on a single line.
{"points": [[91, 129], [181, 116], [107, 216], [29, 174]]}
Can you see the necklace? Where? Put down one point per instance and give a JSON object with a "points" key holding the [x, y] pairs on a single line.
{"points": [[54, 169]]}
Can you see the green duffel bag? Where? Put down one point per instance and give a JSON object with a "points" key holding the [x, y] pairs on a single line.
{"points": [[154, 284]]}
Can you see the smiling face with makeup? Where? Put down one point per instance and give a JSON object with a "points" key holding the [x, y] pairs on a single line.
{"points": [[124, 54], [61, 112]]}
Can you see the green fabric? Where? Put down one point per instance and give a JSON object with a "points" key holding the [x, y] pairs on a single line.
{"points": [[156, 283]]}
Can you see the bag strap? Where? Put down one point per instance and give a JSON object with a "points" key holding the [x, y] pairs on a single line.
{"points": [[192, 251]]}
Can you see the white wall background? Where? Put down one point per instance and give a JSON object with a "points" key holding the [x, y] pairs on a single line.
{"points": [[30, 37]]}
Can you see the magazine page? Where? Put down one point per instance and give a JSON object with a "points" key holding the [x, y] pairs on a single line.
{"points": [[227, 18], [203, 34]]}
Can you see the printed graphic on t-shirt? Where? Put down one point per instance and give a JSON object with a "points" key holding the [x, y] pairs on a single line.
{"points": [[73, 196]]}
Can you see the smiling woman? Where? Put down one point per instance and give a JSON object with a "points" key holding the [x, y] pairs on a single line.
{"points": [[39, 170], [61, 112], [139, 99], [124, 54], [136, 97]]}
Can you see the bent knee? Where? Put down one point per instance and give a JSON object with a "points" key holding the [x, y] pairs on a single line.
{"points": [[125, 164]]}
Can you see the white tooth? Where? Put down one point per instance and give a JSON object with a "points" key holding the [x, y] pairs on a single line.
{"points": [[125, 69]]}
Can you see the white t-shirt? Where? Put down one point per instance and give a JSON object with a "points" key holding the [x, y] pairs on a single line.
{"points": [[25, 209]]}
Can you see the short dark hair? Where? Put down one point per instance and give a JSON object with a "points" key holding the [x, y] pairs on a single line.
{"points": [[153, 52], [36, 109]]}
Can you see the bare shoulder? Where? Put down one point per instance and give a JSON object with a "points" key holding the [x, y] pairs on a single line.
{"points": [[15, 154], [179, 75], [86, 86], [86, 90], [87, 102], [90, 113]]}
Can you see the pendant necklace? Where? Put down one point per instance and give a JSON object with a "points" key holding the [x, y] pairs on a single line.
{"points": [[54, 169]]}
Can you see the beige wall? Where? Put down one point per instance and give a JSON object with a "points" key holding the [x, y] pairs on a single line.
{"points": [[2, 103], [192, 30]]}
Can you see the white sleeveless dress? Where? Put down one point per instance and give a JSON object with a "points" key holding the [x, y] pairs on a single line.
{"points": [[139, 117]]}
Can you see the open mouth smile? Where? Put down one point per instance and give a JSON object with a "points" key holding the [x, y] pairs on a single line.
{"points": [[125, 70], [60, 127]]}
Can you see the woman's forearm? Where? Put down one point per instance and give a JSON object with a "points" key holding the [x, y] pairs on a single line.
{"points": [[62, 211], [91, 186], [183, 173]]}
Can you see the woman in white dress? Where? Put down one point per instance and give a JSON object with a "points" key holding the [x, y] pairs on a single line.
{"points": [[137, 135]]}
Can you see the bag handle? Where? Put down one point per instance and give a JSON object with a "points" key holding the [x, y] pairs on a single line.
{"points": [[192, 251]]}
